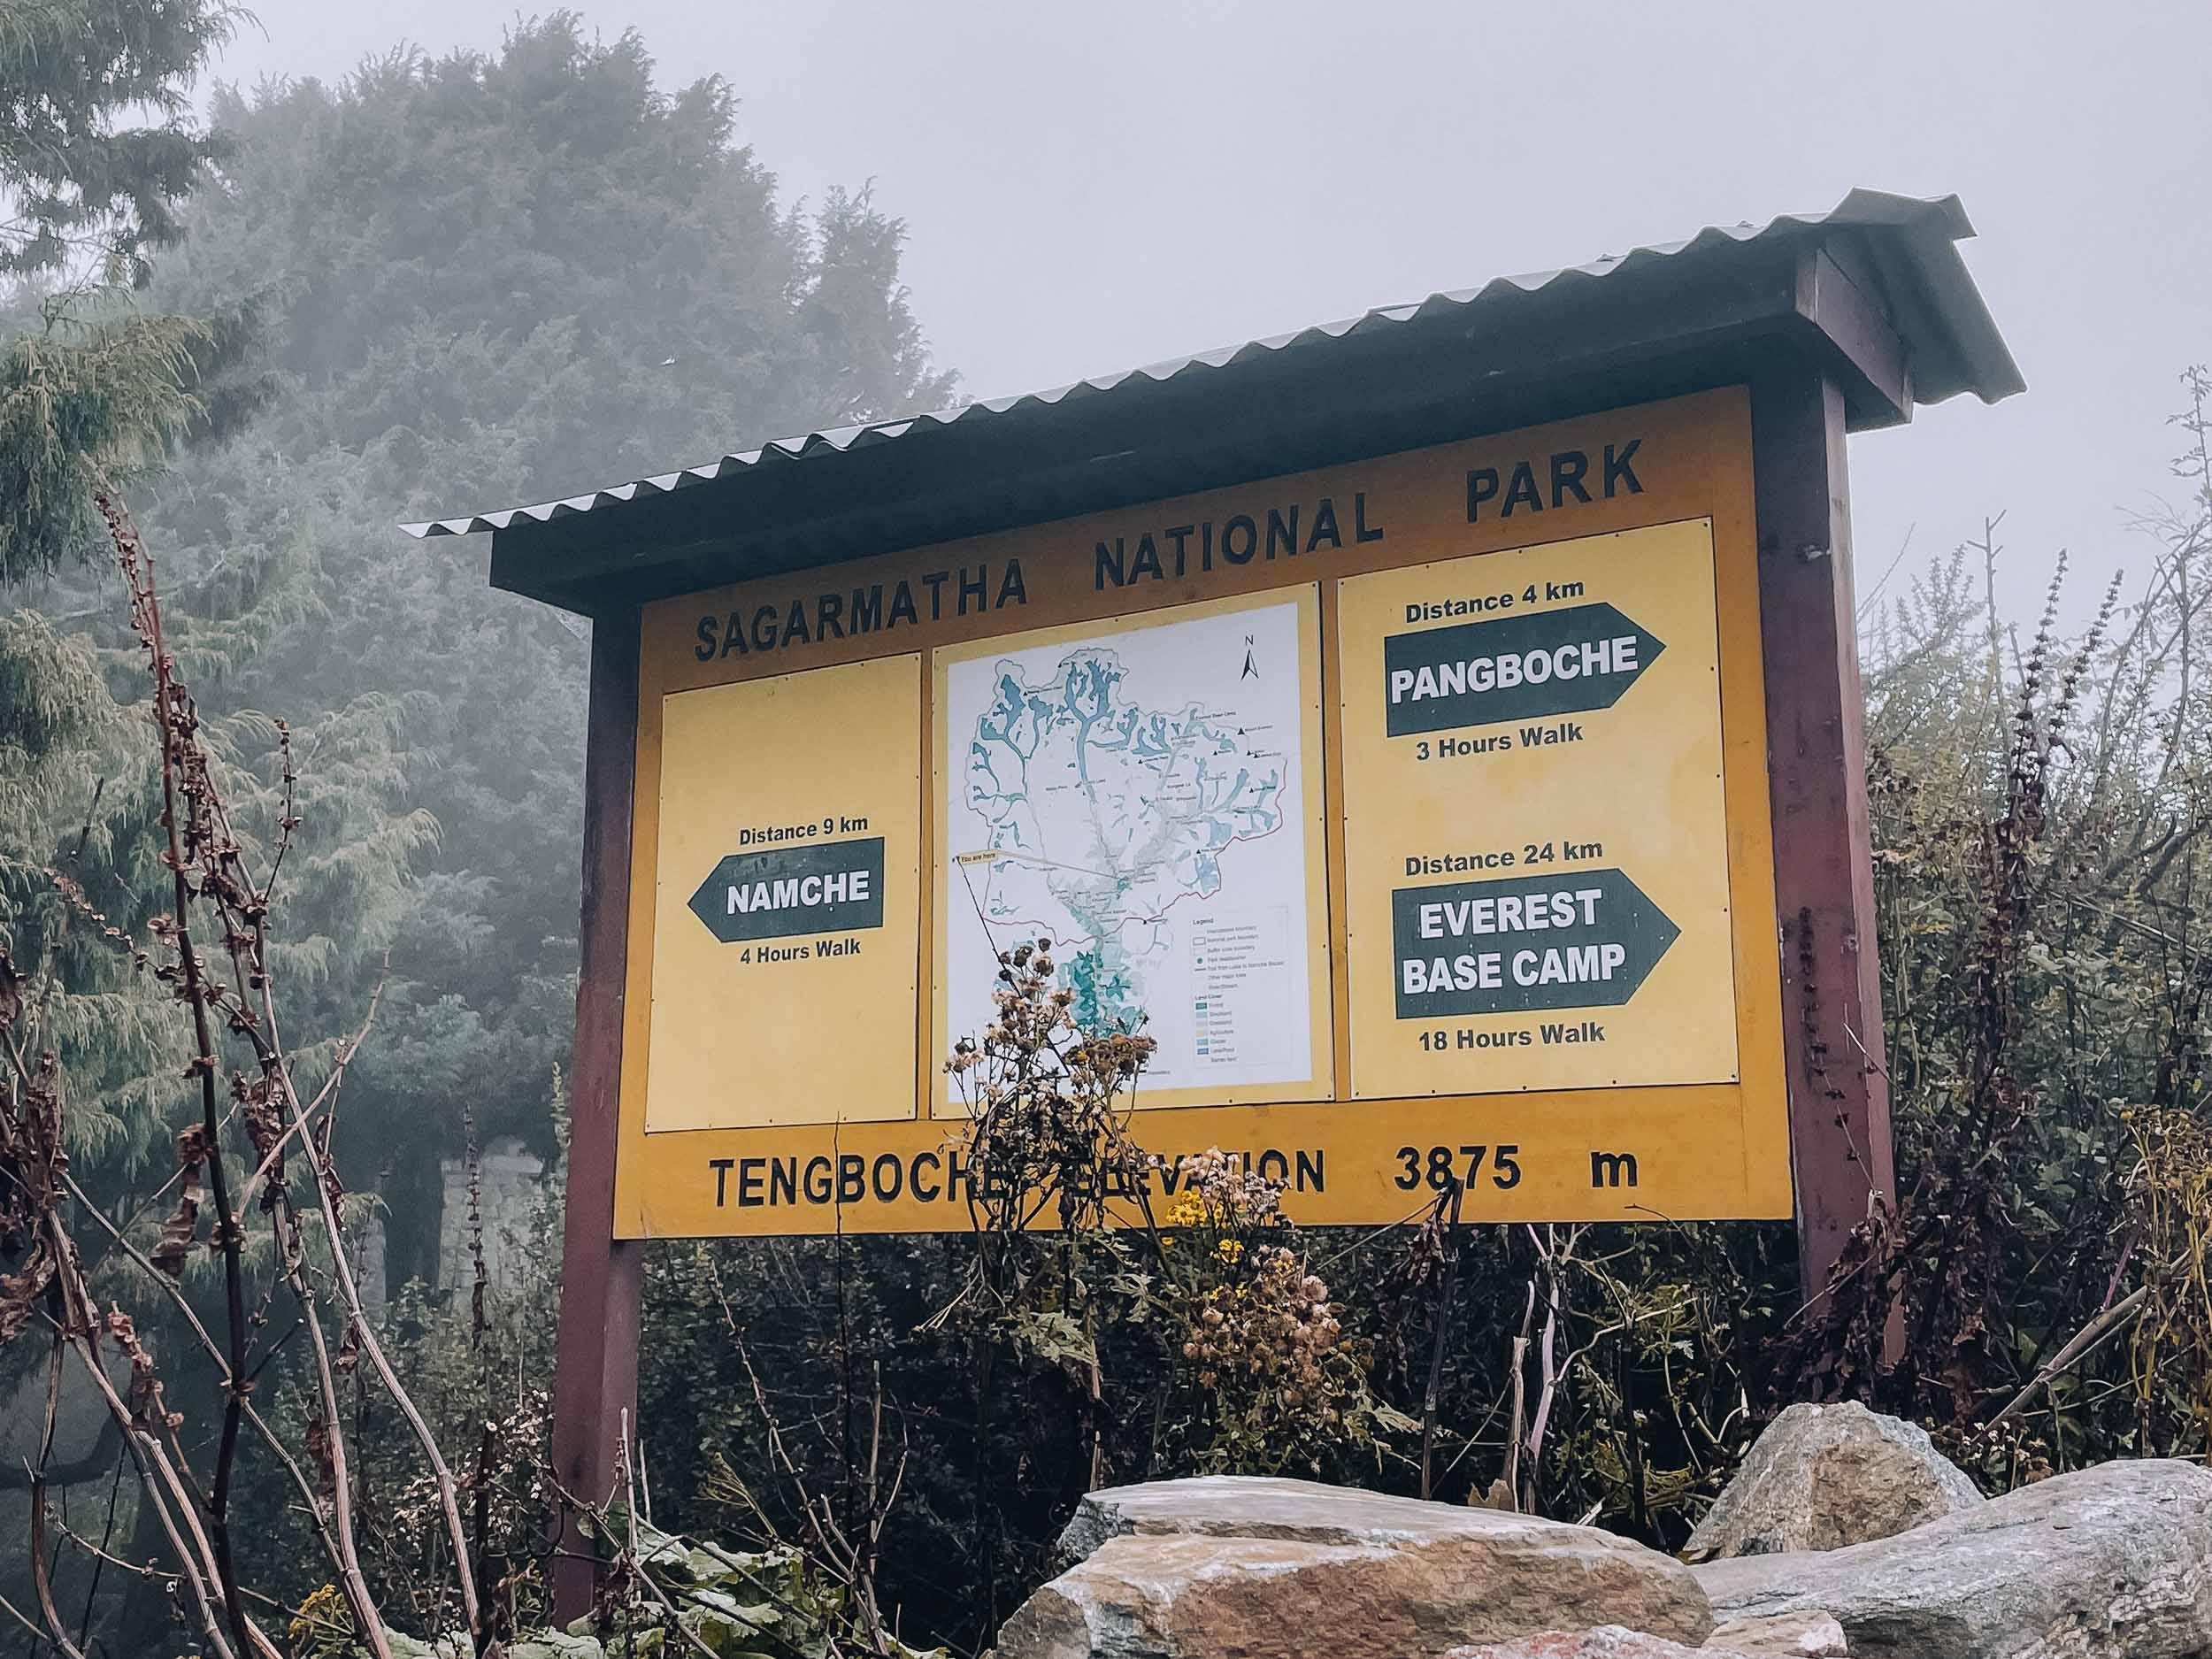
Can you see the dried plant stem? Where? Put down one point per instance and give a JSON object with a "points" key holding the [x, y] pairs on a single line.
{"points": [[172, 1495], [228, 1234], [316, 1509], [2105, 1324], [274, 1158], [1431, 1396], [41, 1582], [357, 1322], [200, 843]]}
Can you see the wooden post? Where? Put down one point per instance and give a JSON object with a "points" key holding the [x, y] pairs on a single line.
{"points": [[1824, 878], [594, 1375]]}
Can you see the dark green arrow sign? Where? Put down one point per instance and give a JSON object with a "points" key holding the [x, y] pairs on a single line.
{"points": [[1516, 668], [1585, 939], [787, 890]]}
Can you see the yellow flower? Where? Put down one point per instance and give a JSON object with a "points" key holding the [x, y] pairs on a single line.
{"points": [[324, 1612]]}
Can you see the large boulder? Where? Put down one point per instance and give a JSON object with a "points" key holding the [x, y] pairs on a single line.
{"points": [[2109, 1563], [1608, 1642], [1266, 1569], [1749, 1638], [1810, 1635], [1250, 1506], [1825, 1477]]}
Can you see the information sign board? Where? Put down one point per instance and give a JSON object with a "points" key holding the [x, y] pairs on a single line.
{"points": [[787, 887], [1546, 905], [1416, 807]]}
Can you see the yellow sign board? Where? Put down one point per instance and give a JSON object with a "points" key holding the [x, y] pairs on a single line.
{"points": [[1546, 905], [1416, 806], [786, 885]]}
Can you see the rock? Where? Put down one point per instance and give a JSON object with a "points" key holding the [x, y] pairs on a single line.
{"points": [[1608, 1641], [2109, 1563], [1825, 1476], [1267, 1568], [1744, 1639], [406, 1646], [545, 1644], [1797, 1635], [531, 1644]]}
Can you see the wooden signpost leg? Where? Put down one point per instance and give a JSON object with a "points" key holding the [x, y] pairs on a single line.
{"points": [[1823, 884], [594, 1377]]}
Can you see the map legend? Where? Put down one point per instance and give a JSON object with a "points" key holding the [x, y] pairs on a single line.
{"points": [[1240, 974]]}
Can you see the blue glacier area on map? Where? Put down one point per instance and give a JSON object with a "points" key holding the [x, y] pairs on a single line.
{"points": [[1105, 815]]}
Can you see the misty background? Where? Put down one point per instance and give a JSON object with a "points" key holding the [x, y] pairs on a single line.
{"points": [[1088, 188], [484, 258]]}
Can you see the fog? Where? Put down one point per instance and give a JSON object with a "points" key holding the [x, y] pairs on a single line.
{"points": [[1090, 188]]}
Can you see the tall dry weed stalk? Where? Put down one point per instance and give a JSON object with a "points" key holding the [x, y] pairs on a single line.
{"points": [[253, 1175]]}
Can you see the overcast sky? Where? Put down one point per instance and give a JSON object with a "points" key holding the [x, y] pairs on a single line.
{"points": [[1088, 187]]}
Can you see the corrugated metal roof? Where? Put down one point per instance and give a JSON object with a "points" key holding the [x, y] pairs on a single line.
{"points": [[1960, 350]]}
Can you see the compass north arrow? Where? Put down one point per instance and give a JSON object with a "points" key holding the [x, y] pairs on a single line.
{"points": [[1515, 668], [1584, 939]]}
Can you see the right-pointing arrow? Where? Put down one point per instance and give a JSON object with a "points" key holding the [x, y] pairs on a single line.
{"points": [[1518, 668], [1584, 939]]}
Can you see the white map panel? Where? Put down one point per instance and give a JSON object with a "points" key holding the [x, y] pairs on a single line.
{"points": [[1135, 796]]}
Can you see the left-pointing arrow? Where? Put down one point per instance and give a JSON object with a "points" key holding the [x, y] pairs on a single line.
{"points": [[787, 890]]}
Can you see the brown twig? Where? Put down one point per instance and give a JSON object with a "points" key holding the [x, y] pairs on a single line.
{"points": [[1431, 1395]]}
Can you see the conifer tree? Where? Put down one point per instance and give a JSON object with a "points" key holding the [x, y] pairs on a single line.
{"points": [[89, 189], [98, 150], [489, 278], [85, 176]]}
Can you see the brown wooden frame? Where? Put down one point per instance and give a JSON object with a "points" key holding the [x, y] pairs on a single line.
{"points": [[595, 1373], [1841, 1146]]}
